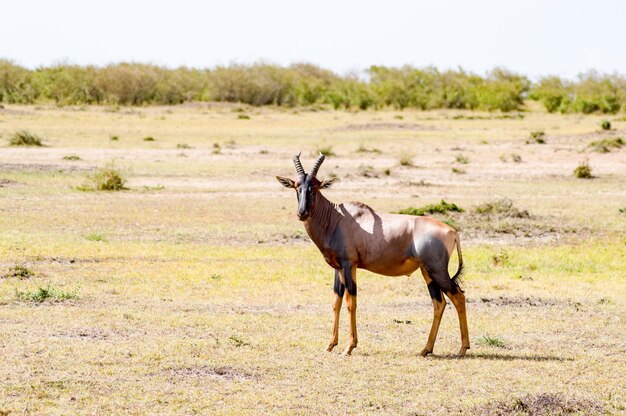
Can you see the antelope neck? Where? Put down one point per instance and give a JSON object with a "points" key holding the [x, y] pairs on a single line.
{"points": [[323, 220]]}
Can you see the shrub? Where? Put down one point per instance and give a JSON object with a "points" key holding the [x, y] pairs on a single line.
{"points": [[25, 138], [20, 272], [462, 159], [243, 117], [502, 207], [367, 171], [183, 146], [605, 124], [148, 139], [441, 208], [71, 157], [537, 137], [107, 178], [114, 138], [458, 171], [583, 170], [406, 160], [606, 145]]}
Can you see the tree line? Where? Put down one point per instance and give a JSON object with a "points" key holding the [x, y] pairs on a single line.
{"points": [[307, 85]]}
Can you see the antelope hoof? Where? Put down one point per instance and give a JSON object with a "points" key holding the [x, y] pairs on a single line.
{"points": [[348, 351], [332, 345], [462, 352], [426, 351]]}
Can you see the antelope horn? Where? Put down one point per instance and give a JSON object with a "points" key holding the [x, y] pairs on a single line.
{"points": [[317, 165], [296, 161]]}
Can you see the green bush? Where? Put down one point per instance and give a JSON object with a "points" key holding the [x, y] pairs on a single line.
{"points": [[605, 124], [583, 170], [25, 138], [107, 178], [308, 85], [441, 208]]}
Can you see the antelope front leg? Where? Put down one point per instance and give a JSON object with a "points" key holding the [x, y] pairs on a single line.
{"points": [[350, 283], [338, 289]]}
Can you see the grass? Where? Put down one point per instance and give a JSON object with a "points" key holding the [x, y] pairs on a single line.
{"points": [[491, 341], [458, 171], [406, 160], [363, 149], [583, 170], [95, 237], [220, 253], [19, 272], [183, 146], [25, 138], [49, 293], [107, 178], [71, 157], [243, 117], [606, 145], [538, 136], [326, 151], [148, 139], [442, 207], [462, 159], [503, 207], [114, 138], [605, 125]]}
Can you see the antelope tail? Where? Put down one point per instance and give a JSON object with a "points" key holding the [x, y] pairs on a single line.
{"points": [[457, 278]]}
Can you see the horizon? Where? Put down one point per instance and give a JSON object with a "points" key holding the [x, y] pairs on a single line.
{"points": [[533, 39]]}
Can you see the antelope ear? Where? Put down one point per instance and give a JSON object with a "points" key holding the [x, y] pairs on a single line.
{"points": [[286, 182], [327, 183]]}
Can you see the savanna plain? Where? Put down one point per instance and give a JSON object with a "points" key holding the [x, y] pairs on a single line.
{"points": [[196, 290]]}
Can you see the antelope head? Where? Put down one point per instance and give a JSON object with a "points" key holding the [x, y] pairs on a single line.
{"points": [[307, 186]]}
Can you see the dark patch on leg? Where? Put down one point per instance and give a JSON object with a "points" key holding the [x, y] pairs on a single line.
{"points": [[339, 288], [349, 281], [433, 254], [435, 292]]}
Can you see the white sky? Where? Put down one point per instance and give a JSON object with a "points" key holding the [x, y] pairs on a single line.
{"points": [[533, 37]]}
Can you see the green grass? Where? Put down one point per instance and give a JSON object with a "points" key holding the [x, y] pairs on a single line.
{"points": [[209, 291], [442, 207], [107, 178], [606, 145], [95, 237], [491, 341], [49, 293], [25, 138], [326, 150], [583, 170], [605, 125], [71, 157]]}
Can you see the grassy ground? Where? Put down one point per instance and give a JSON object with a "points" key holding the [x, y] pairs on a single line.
{"points": [[197, 291]]}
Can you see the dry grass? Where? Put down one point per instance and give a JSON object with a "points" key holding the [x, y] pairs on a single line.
{"points": [[206, 296]]}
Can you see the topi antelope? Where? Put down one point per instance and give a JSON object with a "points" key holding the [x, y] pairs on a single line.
{"points": [[353, 235]]}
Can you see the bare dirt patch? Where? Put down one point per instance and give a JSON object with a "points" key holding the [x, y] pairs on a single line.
{"points": [[542, 404], [224, 373], [8, 182], [518, 301], [386, 126]]}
